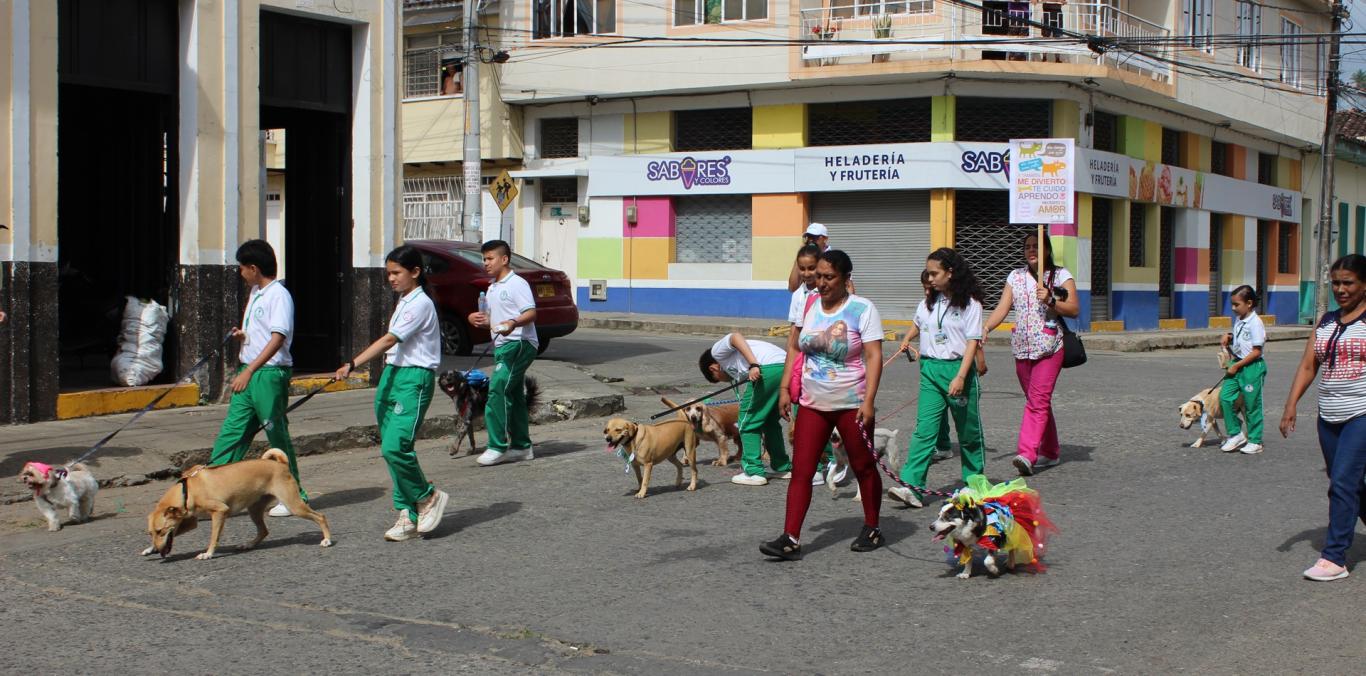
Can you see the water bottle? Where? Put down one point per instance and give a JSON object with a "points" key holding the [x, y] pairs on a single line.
{"points": [[484, 303]]}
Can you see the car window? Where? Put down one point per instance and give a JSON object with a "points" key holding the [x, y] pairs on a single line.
{"points": [[434, 265], [470, 255], [521, 263]]}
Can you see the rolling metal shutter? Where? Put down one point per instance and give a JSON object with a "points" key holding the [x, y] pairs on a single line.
{"points": [[887, 235], [713, 229], [984, 235]]}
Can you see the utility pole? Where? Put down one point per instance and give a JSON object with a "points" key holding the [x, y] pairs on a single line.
{"points": [[473, 201], [1330, 142]]}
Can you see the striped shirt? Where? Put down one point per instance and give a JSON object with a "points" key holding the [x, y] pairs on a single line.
{"points": [[1340, 350]]}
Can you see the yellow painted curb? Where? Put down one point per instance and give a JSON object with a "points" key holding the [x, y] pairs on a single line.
{"points": [[1113, 326], [1269, 320], [305, 384], [1221, 322], [1178, 323], [122, 400]]}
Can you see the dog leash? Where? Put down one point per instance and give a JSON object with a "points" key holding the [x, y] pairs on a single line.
{"points": [[704, 397], [882, 462], [266, 425], [193, 370]]}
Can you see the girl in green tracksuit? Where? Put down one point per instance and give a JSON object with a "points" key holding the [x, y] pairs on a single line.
{"points": [[1246, 374], [949, 323], [412, 352]]}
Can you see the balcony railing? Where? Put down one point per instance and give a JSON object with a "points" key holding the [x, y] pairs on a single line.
{"points": [[851, 32]]}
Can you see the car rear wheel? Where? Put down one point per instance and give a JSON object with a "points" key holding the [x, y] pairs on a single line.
{"points": [[455, 337], [541, 348]]}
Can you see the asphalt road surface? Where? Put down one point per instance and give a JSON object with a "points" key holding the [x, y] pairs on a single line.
{"points": [[1170, 559]]}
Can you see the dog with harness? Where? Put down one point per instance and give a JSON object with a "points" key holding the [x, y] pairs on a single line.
{"points": [[469, 391]]}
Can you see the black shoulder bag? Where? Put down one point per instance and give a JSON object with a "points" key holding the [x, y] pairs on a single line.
{"points": [[1073, 352]]}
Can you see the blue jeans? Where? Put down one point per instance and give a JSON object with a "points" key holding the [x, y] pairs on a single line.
{"points": [[1344, 457]]}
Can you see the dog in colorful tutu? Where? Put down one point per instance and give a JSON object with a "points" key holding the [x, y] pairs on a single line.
{"points": [[1006, 521]]}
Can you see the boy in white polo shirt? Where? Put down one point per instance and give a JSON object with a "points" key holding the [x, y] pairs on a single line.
{"points": [[261, 387], [735, 358], [512, 322]]}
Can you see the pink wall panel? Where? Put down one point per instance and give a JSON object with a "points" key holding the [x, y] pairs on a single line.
{"points": [[654, 217]]}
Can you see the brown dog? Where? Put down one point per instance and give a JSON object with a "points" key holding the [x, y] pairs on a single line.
{"points": [[719, 424], [649, 445], [222, 491]]}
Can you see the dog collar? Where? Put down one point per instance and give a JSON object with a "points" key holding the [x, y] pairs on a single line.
{"points": [[185, 492]]}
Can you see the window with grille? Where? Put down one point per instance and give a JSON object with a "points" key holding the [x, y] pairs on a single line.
{"points": [[1266, 168], [555, 190], [1005, 18], [567, 18], [1101, 211], [1105, 131], [432, 207], [560, 137], [713, 129], [1218, 158], [1199, 20], [697, 12], [1171, 147], [1290, 52], [431, 65], [1138, 235], [1249, 34], [983, 234], [713, 229], [869, 122], [1285, 236], [999, 120]]}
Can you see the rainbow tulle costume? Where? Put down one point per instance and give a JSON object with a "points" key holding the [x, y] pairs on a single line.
{"points": [[1016, 523]]}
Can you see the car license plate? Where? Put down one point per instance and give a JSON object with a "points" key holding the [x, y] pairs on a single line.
{"points": [[545, 290]]}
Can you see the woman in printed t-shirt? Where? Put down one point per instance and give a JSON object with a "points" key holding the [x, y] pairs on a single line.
{"points": [[841, 344], [1036, 342], [1339, 348]]}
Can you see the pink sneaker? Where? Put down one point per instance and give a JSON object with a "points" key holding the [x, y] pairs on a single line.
{"points": [[1326, 571]]}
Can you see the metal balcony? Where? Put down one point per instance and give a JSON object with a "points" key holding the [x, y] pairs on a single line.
{"points": [[851, 32]]}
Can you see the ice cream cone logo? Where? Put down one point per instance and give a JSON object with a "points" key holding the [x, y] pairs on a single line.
{"points": [[688, 172]]}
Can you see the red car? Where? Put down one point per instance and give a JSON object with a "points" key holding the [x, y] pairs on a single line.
{"points": [[456, 276]]}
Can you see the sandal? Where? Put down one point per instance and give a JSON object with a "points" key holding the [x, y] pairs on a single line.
{"points": [[869, 538], [783, 548]]}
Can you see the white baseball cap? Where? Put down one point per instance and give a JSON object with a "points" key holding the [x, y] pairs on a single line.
{"points": [[817, 229]]}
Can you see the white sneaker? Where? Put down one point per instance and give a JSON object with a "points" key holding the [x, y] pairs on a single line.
{"points": [[280, 510], [748, 480], [403, 529], [519, 454], [775, 475], [1023, 464], [904, 495], [1251, 449], [427, 519], [941, 454], [1233, 443], [491, 457], [841, 474], [818, 479]]}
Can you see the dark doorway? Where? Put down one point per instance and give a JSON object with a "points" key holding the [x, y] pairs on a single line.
{"points": [[117, 223], [306, 91], [1263, 232], [1100, 259], [1216, 256], [1166, 268]]}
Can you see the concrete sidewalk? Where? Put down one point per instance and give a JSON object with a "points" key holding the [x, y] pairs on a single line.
{"points": [[165, 441], [1128, 341]]}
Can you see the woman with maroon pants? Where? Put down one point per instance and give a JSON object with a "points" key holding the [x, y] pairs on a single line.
{"points": [[840, 341]]}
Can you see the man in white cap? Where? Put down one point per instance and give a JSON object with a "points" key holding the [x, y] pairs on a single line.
{"points": [[819, 235]]}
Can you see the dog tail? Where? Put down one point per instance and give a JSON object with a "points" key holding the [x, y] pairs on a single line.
{"points": [[277, 455], [533, 392]]}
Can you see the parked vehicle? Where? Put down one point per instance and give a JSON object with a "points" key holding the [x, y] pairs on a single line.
{"points": [[456, 276]]}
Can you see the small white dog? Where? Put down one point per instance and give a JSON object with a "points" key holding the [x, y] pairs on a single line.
{"points": [[57, 487], [884, 446]]}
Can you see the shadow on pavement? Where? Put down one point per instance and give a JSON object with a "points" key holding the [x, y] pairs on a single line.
{"points": [[349, 496], [457, 521]]}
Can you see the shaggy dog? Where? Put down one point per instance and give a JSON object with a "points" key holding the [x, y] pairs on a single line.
{"points": [[1005, 521], [469, 391], [53, 488]]}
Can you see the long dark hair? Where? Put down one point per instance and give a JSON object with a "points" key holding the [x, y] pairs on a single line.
{"points": [[408, 257], [1046, 246], [963, 285]]}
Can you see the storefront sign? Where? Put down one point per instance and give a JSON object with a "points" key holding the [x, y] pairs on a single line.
{"points": [[926, 166], [1043, 188]]}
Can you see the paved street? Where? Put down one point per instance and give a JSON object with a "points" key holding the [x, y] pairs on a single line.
{"points": [[1170, 559]]}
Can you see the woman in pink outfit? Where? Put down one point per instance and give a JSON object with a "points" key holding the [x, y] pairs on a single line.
{"points": [[1036, 342]]}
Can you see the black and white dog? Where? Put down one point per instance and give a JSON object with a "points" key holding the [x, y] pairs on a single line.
{"points": [[469, 391]]}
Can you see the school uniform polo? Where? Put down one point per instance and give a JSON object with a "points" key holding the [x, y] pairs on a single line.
{"points": [[1247, 384], [759, 423], [508, 298], [944, 334], [797, 307], [735, 365], [404, 393], [418, 330], [505, 415], [270, 310]]}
